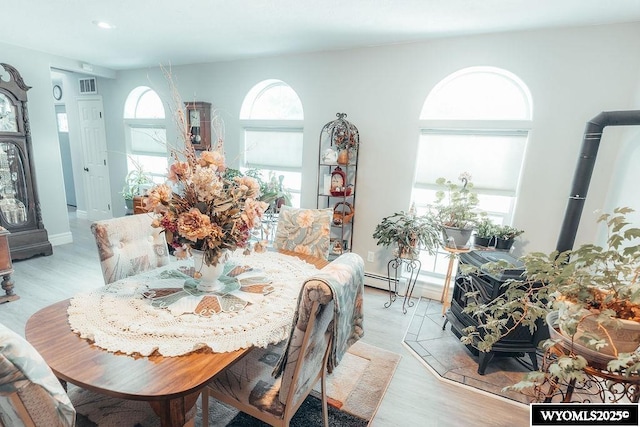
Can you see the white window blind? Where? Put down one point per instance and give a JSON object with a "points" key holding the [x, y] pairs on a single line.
{"points": [[493, 159], [273, 149], [148, 140]]}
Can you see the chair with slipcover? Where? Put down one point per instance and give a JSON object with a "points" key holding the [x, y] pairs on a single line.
{"points": [[271, 383], [129, 245], [305, 231], [31, 395]]}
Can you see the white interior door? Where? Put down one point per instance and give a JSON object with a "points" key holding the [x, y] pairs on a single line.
{"points": [[94, 150]]}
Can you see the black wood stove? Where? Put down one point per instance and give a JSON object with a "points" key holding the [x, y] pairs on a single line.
{"points": [[518, 342]]}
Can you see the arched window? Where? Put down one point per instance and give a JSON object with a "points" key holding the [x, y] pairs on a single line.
{"points": [[271, 117], [146, 132], [476, 120]]}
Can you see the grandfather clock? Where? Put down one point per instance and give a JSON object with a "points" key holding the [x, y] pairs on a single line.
{"points": [[19, 205]]}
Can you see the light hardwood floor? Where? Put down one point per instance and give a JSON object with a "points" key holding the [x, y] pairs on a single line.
{"points": [[415, 396]]}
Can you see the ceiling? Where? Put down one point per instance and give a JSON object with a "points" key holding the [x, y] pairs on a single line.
{"points": [[175, 32]]}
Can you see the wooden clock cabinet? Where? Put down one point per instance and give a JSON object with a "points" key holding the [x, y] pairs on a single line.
{"points": [[19, 205]]}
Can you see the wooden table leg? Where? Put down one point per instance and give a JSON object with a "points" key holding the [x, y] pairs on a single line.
{"points": [[173, 412]]}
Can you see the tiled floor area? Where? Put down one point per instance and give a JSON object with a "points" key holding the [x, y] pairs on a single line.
{"points": [[442, 351]]}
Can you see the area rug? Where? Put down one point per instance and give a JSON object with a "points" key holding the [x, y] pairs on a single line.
{"points": [[355, 390], [447, 358]]}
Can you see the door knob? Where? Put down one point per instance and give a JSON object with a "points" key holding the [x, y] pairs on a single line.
{"points": [[86, 169]]}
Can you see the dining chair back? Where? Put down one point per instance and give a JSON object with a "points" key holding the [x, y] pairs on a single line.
{"points": [[271, 383], [30, 394], [305, 231], [129, 245]]}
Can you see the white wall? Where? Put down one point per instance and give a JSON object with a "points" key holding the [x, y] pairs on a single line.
{"points": [[34, 67], [573, 75]]}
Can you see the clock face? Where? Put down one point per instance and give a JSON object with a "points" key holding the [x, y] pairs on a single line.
{"points": [[337, 180], [57, 92], [8, 121], [194, 118]]}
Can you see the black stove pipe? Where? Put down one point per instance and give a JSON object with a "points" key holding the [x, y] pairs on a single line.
{"points": [[584, 169]]}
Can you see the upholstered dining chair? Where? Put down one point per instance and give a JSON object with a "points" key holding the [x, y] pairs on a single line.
{"points": [[129, 245], [31, 395], [305, 231], [271, 383]]}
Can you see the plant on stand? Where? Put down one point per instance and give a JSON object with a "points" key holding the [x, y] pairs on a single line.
{"points": [[408, 232], [590, 298], [456, 210]]}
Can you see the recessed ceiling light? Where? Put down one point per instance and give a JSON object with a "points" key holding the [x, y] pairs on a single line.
{"points": [[103, 25]]}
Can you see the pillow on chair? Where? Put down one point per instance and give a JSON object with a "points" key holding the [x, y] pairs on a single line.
{"points": [[305, 231], [28, 387], [30, 392], [129, 245]]}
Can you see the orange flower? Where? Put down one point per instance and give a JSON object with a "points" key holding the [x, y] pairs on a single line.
{"points": [[194, 225], [213, 158], [158, 198], [179, 171]]}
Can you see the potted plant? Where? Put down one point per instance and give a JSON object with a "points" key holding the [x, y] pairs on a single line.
{"points": [[456, 211], [505, 236], [409, 233], [136, 183], [590, 296], [485, 233]]}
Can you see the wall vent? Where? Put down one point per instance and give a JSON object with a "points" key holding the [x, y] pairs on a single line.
{"points": [[88, 86]]}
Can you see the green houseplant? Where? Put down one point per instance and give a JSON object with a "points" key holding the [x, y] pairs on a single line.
{"points": [[593, 292], [485, 234], [505, 235], [136, 183], [408, 233], [456, 210]]}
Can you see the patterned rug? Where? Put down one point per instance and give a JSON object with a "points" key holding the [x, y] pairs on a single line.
{"points": [[355, 390], [445, 356]]}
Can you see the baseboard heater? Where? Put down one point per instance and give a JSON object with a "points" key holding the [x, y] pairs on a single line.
{"points": [[380, 281]]}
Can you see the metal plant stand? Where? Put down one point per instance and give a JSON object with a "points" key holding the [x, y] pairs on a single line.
{"points": [[413, 268]]}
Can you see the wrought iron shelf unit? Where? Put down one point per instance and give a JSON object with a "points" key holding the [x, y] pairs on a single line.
{"points": [[337, 173]]}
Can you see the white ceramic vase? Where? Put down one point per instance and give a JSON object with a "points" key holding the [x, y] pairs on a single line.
{"points": [[209, 274]]}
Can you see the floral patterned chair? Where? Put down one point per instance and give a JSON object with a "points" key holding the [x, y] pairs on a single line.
{"points": [[305, 231], [31, 395], [129, 245], [271, 383]]}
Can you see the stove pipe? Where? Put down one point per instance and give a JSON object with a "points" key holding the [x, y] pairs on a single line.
{"points": [[582, 174]]}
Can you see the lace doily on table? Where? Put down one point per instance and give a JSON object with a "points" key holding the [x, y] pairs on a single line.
{"points": [[122, 316]]}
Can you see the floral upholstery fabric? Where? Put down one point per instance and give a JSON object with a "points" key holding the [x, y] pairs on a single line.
{"points": [[26, 378], [264, 378], [129, 245], [305, 231], [341, 281]]}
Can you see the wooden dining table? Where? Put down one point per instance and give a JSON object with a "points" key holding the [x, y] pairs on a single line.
{"points": [[171, 385]]}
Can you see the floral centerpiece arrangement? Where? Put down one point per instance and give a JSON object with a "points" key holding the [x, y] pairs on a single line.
{"points": [[200, 206]]}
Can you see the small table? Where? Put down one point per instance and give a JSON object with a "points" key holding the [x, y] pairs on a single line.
{"points": [[413, 266], [453, 254]]}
